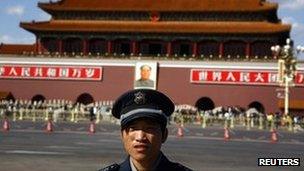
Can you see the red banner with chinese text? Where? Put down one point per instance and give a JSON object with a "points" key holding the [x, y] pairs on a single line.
{"points": [[241, 76], [90, 73]]}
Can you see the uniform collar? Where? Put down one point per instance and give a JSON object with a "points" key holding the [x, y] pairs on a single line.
{"points": [[133, 168]]}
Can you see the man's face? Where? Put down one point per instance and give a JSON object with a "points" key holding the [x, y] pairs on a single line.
{"points": [[145, 72], [142, 140]]}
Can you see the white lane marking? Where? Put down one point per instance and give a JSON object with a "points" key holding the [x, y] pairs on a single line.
{"points": [[34, 152]]}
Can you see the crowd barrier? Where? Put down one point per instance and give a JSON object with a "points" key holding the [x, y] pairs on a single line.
{"points": [[65, 111]]}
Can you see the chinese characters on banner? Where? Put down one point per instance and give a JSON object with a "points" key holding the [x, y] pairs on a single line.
{"points": [[51, 72], [247, 77]]}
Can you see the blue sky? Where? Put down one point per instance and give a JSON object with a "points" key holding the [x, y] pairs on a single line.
{"points": [[12, 12]]}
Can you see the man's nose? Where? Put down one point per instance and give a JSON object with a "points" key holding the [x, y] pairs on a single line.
{"points": [[140, 135]]}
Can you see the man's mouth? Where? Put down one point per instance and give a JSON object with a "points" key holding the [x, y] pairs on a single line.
{"points": [[141, 148]]}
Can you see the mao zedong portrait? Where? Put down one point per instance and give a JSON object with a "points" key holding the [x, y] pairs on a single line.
{"points": [[144, 81]]}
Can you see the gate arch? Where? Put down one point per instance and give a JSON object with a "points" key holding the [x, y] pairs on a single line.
{"points": [[85, 98], [204, 103], [258, 106], [38, 98]]}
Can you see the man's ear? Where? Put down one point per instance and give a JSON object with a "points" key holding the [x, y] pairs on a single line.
{"points": [[165, 135]]}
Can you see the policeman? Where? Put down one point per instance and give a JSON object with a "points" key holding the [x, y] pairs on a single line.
{"points": [[143, 116]]}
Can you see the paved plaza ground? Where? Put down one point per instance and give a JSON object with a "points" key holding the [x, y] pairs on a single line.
{"points": [[70, 147]]}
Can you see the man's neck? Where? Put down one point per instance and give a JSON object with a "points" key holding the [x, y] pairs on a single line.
{"points": [[146, 165]]}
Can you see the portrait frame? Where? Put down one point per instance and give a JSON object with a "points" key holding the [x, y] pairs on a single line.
{"points": [[139, 81]]}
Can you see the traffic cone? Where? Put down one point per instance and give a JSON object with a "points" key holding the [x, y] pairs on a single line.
{"points": [[180, 132], [274, 137], [92, 128], [226, 134], [49, 126], [6, 125]]}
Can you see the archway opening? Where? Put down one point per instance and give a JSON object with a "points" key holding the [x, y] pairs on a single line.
{"points": [[258, 106], [38, 98], [85, 99], [204, 103]]}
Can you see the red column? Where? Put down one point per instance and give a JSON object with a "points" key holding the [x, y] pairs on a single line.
{"points": [[194, 49], [85, 46], [134, 47], [221, 50], [248, 49], [38, 45], [169, 48], [109, 46]]}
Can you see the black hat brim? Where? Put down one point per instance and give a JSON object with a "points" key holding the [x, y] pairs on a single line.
{"points": [[161, 119]]}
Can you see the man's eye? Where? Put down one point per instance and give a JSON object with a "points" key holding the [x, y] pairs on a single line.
{"points": [[132, 128]]}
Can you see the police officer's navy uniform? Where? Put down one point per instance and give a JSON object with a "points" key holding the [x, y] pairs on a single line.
{"points": [[144, 103], [164, 165]]}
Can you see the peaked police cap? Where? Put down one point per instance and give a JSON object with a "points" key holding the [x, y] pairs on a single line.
{"points": [[143, 103]]}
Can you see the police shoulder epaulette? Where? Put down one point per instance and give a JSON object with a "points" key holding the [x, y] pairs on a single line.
{"points": [[113, 167]]}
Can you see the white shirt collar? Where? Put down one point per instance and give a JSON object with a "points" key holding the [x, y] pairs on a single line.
{"points": [[133, 168]]}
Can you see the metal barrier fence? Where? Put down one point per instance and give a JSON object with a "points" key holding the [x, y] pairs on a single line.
{"points": [[81, 114], [58, 115]]}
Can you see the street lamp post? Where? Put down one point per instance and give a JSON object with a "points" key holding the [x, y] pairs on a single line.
{"points": [[287, 68]]}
